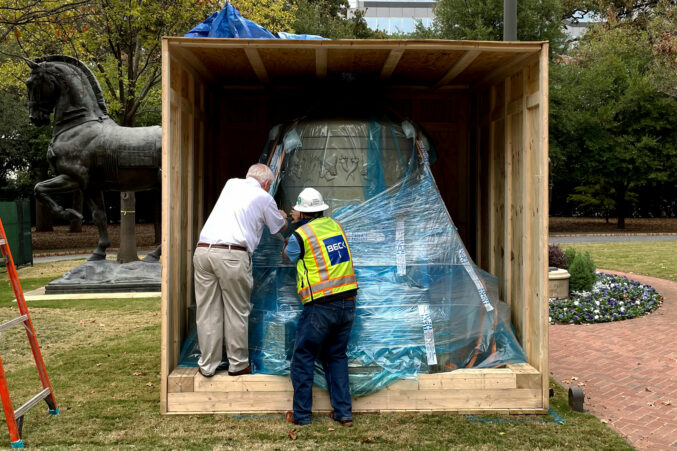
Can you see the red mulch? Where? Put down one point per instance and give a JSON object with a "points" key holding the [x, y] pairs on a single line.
{"points": [[61, 238], [599, 225]]}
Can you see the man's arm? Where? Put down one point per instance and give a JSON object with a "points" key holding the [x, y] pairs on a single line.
{"points": [[292, 250]]}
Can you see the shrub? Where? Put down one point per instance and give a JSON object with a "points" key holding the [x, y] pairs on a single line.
{"points": [[556, 257], [581, 269]]}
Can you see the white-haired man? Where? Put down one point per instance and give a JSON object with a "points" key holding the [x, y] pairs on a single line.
{"points": [[223, 268]]}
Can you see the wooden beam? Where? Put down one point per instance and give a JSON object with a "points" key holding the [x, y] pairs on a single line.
{"points": [[391, 63], [359, 44], [461, 65], [321, 63], [500, 74], [193, 62], [257, 64]]}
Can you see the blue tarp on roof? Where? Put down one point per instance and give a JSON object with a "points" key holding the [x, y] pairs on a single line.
{"points": [[229, 23]]}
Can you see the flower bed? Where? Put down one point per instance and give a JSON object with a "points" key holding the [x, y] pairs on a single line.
{"points": [[612, 298]]}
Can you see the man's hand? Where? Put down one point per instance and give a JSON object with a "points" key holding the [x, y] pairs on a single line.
{"points": [[283, 213], [295, 216]]}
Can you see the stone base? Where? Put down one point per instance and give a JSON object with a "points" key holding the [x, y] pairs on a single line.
{"points": [[106, 276], [558, 283]]}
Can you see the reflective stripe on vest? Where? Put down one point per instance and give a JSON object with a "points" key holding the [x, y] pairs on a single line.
{"points": [[326, 267]]}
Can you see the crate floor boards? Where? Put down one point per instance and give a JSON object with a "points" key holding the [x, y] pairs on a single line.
{"points": [[515, 389]]}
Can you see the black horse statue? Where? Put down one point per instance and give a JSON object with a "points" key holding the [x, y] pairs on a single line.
{"points": [[88, 151]]}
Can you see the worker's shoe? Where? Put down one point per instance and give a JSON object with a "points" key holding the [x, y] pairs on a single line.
{"points": [[204, 373], [345, 423], [247, 370], [289, 417]]}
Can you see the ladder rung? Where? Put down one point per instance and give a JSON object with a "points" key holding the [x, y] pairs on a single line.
{"points": [[31, 402], [11, 322]]}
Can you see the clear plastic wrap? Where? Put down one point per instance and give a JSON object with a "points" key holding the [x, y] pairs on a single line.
{"points": [[422, 306]]}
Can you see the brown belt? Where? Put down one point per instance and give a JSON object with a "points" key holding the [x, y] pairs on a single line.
{"points": [[232, 247]]}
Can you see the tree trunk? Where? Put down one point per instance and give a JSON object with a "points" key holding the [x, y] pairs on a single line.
{"points": [[76, 224], [43, 218], [127, 251], [620, 205]]}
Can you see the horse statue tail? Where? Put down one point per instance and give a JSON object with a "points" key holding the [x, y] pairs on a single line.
{"points": [[96, 87]]}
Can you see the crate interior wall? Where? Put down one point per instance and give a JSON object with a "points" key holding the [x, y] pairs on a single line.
{"points": [[484, 104]]}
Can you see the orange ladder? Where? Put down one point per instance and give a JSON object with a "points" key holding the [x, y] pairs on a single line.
{"points": [[15, 418]]}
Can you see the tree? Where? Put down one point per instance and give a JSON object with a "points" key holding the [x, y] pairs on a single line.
{"points": [[537, 20], [273, 15], [610, 122], [330, 19]]}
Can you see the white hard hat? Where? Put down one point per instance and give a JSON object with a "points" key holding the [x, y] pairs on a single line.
{"points": [[309, 201]]}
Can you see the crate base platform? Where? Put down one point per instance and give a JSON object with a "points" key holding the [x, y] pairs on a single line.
{"points": [[515, 389]]}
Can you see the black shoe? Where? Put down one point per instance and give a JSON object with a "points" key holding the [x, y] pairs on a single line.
{"points": [[345, 423], [205, 374], [247, 370]]}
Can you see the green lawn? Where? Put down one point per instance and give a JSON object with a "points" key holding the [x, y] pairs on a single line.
{"points": [[649, 258], [103, 358]]}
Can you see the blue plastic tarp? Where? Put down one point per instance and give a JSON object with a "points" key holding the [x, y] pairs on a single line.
{"points": [[229, 23], [422, 306]]}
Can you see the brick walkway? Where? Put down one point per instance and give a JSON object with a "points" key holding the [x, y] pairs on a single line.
{"points": [[627, 370]]}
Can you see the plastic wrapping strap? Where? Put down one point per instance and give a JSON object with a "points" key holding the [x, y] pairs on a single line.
{"points": [[400, 255], [428, 333], [481, 290]]}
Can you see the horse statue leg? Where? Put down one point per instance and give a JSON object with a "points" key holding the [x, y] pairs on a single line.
{"points": [[95, 203], [59, 184]]}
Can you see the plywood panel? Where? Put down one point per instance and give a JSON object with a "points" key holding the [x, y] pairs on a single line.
{"points": [[485, 63], [363, 62], [424, 66]]}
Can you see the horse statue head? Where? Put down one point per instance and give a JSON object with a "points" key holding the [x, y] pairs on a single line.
{"points": [[65, 86]]}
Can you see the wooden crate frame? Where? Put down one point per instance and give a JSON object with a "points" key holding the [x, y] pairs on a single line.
{"points": [[490, 97]]}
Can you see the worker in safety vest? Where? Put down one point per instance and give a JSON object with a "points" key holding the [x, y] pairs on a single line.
{"points": [[327, 287]]}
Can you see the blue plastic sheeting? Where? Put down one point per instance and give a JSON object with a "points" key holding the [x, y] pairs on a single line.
{"points": [[422, 305], [229, 23]]}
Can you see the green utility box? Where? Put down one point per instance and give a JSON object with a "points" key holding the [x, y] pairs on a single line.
{"points": [[16, 219]]}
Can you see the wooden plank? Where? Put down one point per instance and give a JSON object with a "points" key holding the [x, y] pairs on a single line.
{"points": [[181, 380], [515, 107], [533, 99], [507, 200], [470, 400], [461, 380], [503, 72], [321, 63], [461, 65], [222, 382], [540, 327], [193, 63], [167, 363], [358, 44], [257, 64], [526, 187], [391, 63]]}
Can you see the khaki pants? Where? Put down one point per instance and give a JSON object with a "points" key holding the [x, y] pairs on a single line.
{"points": [[223, 285]]}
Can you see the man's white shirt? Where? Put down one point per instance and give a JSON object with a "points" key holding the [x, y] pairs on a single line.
{"points": [[239, 215]]}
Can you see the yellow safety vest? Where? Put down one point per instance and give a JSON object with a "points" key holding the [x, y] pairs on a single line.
{"points": [[327, 266]]}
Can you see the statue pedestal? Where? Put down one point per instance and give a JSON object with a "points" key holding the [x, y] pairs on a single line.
{"points": [[558, 283], [106, 276]]}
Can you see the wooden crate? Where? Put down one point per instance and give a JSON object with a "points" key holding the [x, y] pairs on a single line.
{"points": [[484, 104]]}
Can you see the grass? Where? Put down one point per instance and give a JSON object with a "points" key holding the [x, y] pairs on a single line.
{"points": [[649, 258], [103, 358]]}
